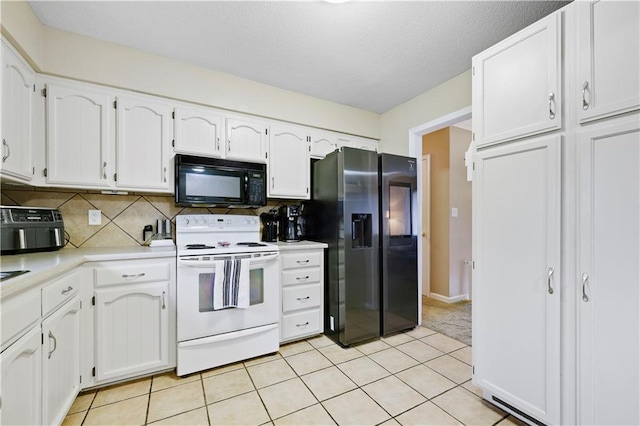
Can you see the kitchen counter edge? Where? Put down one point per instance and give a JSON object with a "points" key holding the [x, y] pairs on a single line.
{"points": [[45, 266]]}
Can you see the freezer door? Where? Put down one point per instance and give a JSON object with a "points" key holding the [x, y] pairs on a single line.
{"points": [[398, 243]]}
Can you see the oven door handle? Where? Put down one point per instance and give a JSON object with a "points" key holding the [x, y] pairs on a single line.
{"points": [[228, 336], [209, 263]]}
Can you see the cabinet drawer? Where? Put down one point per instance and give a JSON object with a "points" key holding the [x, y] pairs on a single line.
{"points": [[300, 297], [59, 291], [136, 272], [300, 260], [300, 324], [301, 276], [17, 313]]}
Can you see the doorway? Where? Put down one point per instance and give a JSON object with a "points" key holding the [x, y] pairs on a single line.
{"points": [[425, 206]]}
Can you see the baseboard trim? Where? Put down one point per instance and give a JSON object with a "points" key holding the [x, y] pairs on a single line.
{"points": [[446, 299]]}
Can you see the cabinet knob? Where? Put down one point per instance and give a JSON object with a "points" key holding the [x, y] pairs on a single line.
{"points": [[5, 145], [585, 278], [549, 276], [552, 105]]}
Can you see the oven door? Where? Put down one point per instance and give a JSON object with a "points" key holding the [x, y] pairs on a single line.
{"points": [[195, 277]]}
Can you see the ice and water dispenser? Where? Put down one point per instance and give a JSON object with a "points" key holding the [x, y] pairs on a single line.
{"points": [[361, 227]]}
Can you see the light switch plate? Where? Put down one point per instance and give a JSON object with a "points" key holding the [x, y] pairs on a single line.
{"points": [[454, 212], [95, 217]]}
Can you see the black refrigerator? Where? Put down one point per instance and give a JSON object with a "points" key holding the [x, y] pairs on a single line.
{"points": [[363, 207], [344, 214], [398, 243]]}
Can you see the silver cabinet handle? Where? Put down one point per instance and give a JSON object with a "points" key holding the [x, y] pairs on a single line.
{"points": [[585, 89], [67, 290], [55, 344], [164, 305], [302, 278], [133, 276], [302, 262], [273, 181], [218, 143], [229, 144], [552, 102], [300, 299], [549, 275], [5, 145], [303, 325], [165, 173], [585, 278], [104, 170]]}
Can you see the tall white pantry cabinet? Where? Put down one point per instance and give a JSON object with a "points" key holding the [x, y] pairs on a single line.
{"points": [[556, 243]]}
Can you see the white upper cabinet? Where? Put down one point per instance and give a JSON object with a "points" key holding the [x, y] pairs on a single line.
{"points": [[144, 155], [517, 84], [288, 169], [17, 95], [198, 131], [247, 140], [79, 144], [364, 143], [322, 143], [609, 273], [609, 58]]}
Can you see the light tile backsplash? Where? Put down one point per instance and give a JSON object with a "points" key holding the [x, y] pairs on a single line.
{"points": [[123, 216]]}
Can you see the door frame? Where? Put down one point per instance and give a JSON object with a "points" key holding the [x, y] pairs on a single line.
{"points": [[426, 223], [415, 150]]}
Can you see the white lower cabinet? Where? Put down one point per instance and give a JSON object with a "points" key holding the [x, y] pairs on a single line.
{"points": [[60, 361], [21, 385], [302, 283], [609, 273], [135, 318], [517, 260]]}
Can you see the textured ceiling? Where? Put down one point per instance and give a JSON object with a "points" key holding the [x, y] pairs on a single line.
{"points": [[369, 55]]}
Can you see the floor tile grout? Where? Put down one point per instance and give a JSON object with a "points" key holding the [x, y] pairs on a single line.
{"points": [[317, 401]]}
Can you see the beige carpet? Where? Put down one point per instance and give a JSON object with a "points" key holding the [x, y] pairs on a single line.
{"points": [[450, 319]]}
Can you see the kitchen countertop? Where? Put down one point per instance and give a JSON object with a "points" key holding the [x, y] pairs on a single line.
{"points": [[44, 266], [301, 245]]}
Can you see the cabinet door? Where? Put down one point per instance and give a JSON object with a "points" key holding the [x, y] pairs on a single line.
{"points": [[368, 144], [132, 330], [247, 140], [516, 289], [17, 94], [78, 139], [144, 129], [609, 275], [517, 84], [322, 143], [609, 57], [21, 384], [61, 362], [288, 163], [198, 132]]}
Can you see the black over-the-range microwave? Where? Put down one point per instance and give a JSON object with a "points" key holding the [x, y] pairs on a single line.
{"points": [[203, 181]]}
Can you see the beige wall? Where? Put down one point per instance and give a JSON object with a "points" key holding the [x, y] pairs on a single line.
{"points": [[70, 55], [459, 227], [437, 144], [450, 96]]}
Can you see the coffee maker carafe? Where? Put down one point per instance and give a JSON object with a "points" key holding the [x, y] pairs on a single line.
{"points": [[270, 226], [289, 230]]}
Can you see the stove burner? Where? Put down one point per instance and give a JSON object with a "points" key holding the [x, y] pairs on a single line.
{"points": [[198, 246], [251, 244]]}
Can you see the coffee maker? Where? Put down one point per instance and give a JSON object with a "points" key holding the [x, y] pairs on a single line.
{"points": [[269, 226], [289, 229]]}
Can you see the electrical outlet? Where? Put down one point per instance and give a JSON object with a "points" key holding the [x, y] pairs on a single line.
{"points": [[95, 217]]}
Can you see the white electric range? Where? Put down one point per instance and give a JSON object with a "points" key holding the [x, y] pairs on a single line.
{"points": [[209, 338]]}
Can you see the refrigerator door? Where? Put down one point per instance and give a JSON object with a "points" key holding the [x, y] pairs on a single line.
{"points": [[398, 243], [361, 237], [344, 213]]}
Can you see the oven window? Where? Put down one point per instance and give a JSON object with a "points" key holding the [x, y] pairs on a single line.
{"points": [[206, 281]]}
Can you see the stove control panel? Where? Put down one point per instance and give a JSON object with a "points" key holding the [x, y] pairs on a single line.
{"points": [[222, 222]]}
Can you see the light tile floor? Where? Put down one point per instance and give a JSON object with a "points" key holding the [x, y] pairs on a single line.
{"points": [[418, 377]]}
